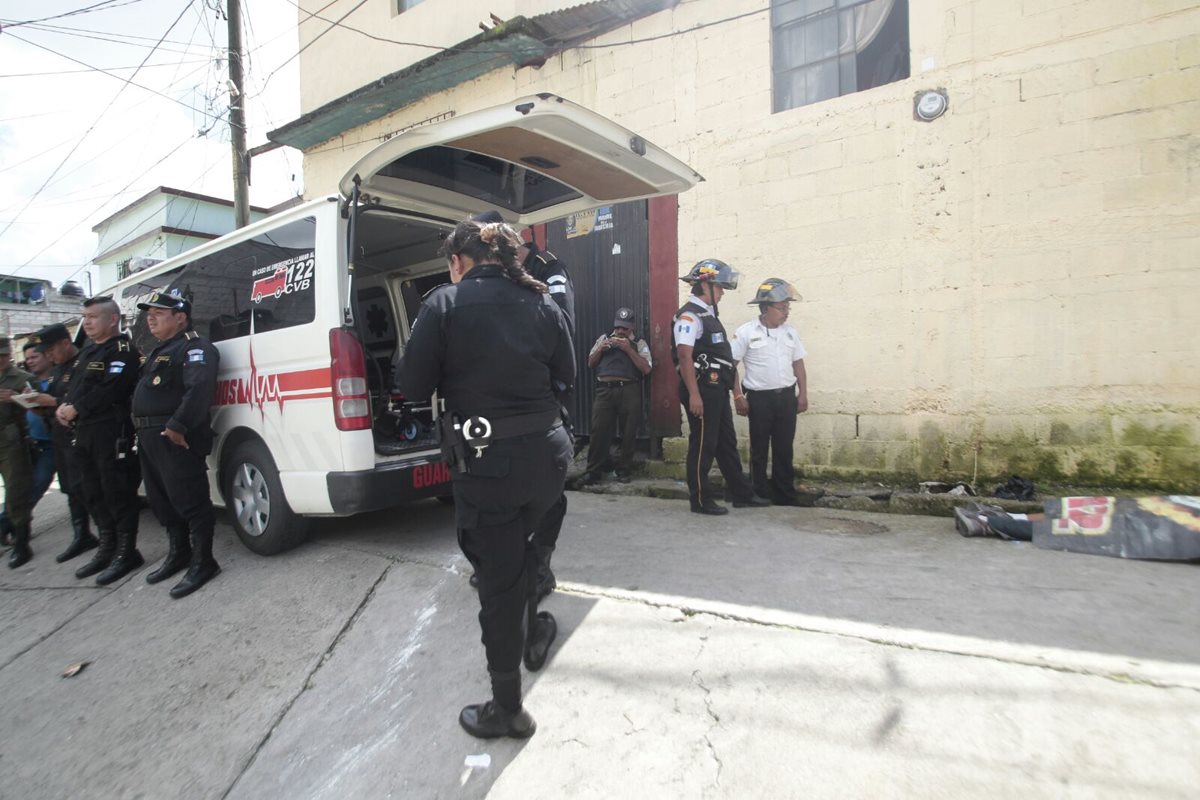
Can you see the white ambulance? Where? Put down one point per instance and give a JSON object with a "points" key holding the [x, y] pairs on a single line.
{"points": [[310, 307]]}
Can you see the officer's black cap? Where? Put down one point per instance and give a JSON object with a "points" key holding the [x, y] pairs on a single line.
{"points": [[168, 300], [51, 335], [485, 217]]}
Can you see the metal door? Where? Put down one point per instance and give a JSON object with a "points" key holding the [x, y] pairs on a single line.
{"points": [[607, 256]]}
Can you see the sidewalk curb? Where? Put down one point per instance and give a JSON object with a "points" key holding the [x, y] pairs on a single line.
{"points": [[1122, 669]]}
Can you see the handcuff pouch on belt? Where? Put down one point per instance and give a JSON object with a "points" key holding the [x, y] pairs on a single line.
{"points": [[712, 370], [463, 440]]}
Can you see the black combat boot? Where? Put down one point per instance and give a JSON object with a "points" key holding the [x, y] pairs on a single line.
{"points": [[102, 557], [179, 555], [545, 578], [503, 714], [21, 551], [126, 560], [203, 567], [83, 540], [538, 641]]}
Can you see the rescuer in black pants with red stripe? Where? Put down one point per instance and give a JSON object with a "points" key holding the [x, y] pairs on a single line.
{"points": [[704, 359], [170, 409], [492, 343]]}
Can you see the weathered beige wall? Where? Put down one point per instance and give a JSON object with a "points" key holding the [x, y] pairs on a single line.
{"points": [[1010, 288]]}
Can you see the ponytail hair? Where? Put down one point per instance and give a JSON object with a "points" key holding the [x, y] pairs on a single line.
{"points": [[491, 243]]}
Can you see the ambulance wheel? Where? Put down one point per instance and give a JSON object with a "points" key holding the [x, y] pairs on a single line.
{"points": [[257, 508]]}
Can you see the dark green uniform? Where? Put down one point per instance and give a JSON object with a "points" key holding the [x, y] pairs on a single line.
{"points": [[14, 463]]}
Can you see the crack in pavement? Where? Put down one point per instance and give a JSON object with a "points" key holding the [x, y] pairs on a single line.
{"points": [[306, 684], [452, 567], [53, 588], [105, 591], [716, 723], [688, 611]]}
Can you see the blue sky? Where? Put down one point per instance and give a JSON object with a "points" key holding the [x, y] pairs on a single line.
{"points": [[111, 145]]}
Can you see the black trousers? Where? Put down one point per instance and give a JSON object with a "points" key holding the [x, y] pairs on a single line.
{"points": [[66, 464], [712, 436], [773, 428], [497, 509], [108, 473], [176, 482], [614, 406]]}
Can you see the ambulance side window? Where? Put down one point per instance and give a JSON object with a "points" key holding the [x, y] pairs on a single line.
{"points": [[283, 276]]}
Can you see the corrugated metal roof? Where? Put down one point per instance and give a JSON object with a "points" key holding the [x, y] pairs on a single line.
{"points": [[521, 41]]}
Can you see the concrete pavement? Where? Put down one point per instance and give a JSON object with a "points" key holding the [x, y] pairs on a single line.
{"points": [[771, 653]]}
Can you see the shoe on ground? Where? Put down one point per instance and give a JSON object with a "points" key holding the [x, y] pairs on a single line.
{"points": [[587, 479], [538, 648], [753, 501], [712, 509], [490, 721], [20, 555], [968, 523]]}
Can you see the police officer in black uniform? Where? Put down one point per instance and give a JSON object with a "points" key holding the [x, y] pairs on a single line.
{"points": [[492, 343], [704, 358], [170, 410], [96, 403], [54, 341], [544, 266]]}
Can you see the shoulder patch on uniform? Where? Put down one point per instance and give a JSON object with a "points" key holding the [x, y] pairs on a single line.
{"points": [[556, 288], [556, 278], [115, 368], [190, 335], [196, 356], [687, 318]]}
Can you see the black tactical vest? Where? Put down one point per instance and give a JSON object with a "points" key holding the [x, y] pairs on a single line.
{"points": [[615, 363], [712, 355]]}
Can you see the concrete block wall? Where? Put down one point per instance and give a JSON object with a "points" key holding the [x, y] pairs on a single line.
{"points": [[1010, 288]]}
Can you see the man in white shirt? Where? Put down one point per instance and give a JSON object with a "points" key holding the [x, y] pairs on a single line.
{"points": [[772, 389], [620, 362]]}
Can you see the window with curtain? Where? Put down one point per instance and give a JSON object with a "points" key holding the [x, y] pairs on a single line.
{"points": [[828, 48]]}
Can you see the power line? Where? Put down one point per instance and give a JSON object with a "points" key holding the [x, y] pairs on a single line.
{"points": [[313, 40], [86, 133], [126, 81], [95, 69], [104, 5], [112, 38]]}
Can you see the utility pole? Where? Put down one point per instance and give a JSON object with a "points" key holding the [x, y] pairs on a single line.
{"points": [[237, 119]]}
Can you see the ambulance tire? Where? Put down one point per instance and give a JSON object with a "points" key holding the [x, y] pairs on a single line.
{"points": [[251, 479]]}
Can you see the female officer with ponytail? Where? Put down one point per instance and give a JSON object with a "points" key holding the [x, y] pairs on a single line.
{"points": [[492, 343]]}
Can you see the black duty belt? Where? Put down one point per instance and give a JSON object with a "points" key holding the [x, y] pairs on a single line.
{"points": [[615, 381], [150, 422], [464, 439], [525, 424], [791, 389]]}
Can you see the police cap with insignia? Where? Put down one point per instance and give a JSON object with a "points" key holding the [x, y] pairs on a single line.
{"points": [[51, 335], [172, 301], [624, 319], [486, 217]]}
